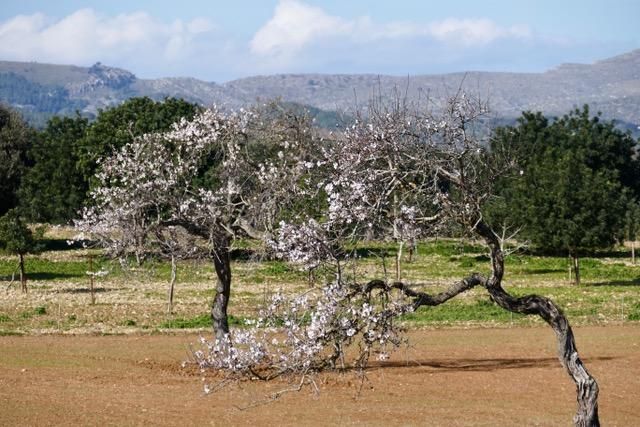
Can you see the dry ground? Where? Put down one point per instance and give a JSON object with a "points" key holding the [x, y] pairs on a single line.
{"points": [[448, 377]]}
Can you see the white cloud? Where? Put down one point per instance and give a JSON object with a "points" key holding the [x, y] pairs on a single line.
{"points": [[295, 25], [297, 38], [474, 31], [85, 36]]}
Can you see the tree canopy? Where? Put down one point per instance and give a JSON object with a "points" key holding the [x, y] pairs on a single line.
{"points": [[573, 181], [16, 139], [53, 190], [51, 171], [217, 176], [115, 127]]}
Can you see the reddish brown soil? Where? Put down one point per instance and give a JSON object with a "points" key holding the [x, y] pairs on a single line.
{"points": [[474, 377]]}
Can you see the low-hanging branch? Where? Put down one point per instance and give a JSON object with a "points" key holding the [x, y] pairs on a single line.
{"points": [[422, 298], [586, 385]]}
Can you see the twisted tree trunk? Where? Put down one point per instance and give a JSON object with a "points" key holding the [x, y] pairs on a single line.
{"points": [[586, 385]]}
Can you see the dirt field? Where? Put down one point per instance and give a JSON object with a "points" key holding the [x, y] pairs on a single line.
{"points": [[448, 377]]}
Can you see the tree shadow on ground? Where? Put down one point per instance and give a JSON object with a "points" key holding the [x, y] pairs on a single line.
{"points": [[366, 252], [632, 282], [97, 290], [63, 245], [543, 270], [40, 276], [476, 365]]}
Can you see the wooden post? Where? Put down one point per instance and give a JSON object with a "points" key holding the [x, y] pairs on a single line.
{"points": [[91, 273], [172, 284]]}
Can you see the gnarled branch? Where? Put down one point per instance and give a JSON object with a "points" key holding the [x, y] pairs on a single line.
{"points": [[422, 298]]}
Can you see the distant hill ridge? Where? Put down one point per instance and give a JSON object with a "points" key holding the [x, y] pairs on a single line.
{"points": [[611, 86]]}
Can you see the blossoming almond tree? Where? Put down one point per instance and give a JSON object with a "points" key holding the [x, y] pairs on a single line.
{"points": [[397, 172], [218, 177]]}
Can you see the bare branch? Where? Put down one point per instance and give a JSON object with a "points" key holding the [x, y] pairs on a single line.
{"points": [[422, 298]]}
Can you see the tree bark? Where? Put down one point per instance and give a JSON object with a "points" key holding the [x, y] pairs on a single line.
{"points": [[586, 385], [222, 265], [23, 274]]}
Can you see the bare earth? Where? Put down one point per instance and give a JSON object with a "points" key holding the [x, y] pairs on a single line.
{"points": [[473, 377]]}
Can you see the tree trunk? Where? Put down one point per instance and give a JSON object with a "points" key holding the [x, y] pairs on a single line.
{"points": [[91, 276], [399, 261], [222, 264], [23, 275], [633, 252], [413, 247], [575, 262], [586, 385], [172, 284]]}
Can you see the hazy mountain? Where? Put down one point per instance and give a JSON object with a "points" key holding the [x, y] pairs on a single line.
{"points": [[611, 86]]}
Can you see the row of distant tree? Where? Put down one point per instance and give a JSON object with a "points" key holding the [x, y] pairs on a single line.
{"points": [[47, 173], [575, 189]]}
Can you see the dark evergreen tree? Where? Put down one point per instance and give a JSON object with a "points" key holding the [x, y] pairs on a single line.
{"points": [[572, 184], [16, 138], [632, 227], [118, 126], [53, 190]]}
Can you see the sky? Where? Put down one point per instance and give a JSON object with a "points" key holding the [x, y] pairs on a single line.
{"points": [[223, 40]]}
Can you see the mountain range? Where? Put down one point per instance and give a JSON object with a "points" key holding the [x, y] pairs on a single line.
{"points": [[611, 86]]}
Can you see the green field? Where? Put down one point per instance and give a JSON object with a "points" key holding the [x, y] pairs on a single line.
{"points": [[134, 300]]}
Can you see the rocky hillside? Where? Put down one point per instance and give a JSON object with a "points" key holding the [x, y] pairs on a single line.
{"points": [[611, 86]]}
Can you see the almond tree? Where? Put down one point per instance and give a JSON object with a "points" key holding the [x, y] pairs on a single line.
{"points": [[394, 170], [220, 176]]}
